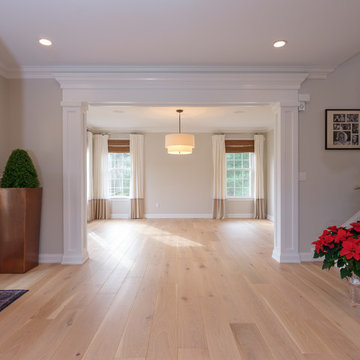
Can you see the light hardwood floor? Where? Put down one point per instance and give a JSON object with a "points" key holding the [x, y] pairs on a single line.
{"points": [[180, 289]]}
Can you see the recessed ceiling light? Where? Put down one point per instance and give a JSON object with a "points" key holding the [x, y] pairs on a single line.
{"points": [[45, 42], [279, 43]]}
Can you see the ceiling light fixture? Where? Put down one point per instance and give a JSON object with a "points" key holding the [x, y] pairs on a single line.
{"points": [[45, 42], [179, 144], [279, 43]]}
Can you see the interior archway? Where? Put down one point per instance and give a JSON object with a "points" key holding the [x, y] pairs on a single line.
{"points": [[281, 90]]}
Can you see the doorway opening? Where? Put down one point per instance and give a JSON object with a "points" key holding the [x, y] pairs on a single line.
{"points": [[203, 89], [180, 187]]}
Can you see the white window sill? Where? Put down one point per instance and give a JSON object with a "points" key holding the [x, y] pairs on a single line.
{"points": [[119, 198], [239, 199]]}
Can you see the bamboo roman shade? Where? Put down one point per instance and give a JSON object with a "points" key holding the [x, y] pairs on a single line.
{"points": [[119, 146], [239, 146]]}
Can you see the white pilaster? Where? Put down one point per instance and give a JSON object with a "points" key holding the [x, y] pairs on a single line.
{"points": [[286, 242], [74, 187]]}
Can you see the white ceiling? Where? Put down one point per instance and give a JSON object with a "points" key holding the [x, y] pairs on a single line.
{"points": [[194, 119], [320, 33]]}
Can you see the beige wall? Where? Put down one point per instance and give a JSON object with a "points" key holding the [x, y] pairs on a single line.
{"points": [[35, 124], [178, 184], [4, 120], [270, 173], [327, 196], [239, 208]]}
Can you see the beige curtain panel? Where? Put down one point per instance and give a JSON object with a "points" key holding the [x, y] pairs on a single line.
{"points": [[98, 200], [137, 176], [259, 201], [89, 176], [219, 176]]}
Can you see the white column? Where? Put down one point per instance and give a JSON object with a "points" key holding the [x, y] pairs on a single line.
{"points": [[74, 184], [286, 242]]}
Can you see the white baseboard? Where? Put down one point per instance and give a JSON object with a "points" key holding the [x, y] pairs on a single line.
{"points": [[270, 217], [286, 258], [50, 258], [178, 216], [308, 256], [120, 216], [74, 259], [239, 216]]}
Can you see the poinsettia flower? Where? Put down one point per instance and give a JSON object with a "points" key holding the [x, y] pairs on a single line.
{"points": [[351, 249], [356, 226], [325, 232], [333, 228], [342, 235], [327, 239], [318, 245]]}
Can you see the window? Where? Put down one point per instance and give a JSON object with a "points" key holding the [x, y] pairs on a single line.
{"points": [[239, 175], [119, 174]]}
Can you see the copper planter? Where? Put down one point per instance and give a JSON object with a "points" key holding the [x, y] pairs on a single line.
{"points": [[20, 213]]}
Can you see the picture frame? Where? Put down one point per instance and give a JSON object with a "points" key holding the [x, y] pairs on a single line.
{"points": [[342, 129]]}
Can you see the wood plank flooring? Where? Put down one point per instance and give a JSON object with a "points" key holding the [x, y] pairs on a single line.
{"points": [[179, 290]]}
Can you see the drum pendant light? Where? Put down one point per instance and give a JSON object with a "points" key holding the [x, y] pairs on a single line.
{"points": [[179, 144]]}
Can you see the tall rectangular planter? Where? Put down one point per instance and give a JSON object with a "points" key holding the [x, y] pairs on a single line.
{"points": [[20, 213]]}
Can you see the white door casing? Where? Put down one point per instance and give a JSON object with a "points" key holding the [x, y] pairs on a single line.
{"points": [[166, 88]]}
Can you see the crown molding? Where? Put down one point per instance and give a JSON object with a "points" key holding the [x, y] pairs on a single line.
{"points": [[181, 80], [50, 72]]}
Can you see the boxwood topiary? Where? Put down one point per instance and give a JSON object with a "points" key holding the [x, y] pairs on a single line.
{"points": [[20, 171]]}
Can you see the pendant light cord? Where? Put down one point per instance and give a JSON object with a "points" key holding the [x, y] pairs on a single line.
{"points": [[179, 123]]}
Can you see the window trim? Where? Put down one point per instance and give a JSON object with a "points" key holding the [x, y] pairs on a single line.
{"points": [[117, 197], [252, 179], [233, 198]]}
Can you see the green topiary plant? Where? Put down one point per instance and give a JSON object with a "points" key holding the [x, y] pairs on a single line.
{"points": [[20, 171]]}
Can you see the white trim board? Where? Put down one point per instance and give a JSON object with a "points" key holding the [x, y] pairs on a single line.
{"points": [[120, 216], [50, 258], [74, 259], [286, 258], [239, 216], [178, 216], [354, 218], [308, 256], [184, 216], [49, 72], [270, 217]]}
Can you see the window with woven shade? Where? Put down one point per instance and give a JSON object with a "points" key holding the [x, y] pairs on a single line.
{"points": [[239, 168], [119, 168]]}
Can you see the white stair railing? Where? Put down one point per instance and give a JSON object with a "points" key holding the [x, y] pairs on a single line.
{"points": [[354, 218]]}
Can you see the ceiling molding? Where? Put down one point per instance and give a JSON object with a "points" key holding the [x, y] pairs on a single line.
{"points": [[185, 80], [229, 132], [50, 72]]}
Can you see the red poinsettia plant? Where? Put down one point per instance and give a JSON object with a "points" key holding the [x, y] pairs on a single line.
{"points": [[340, 247]]}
